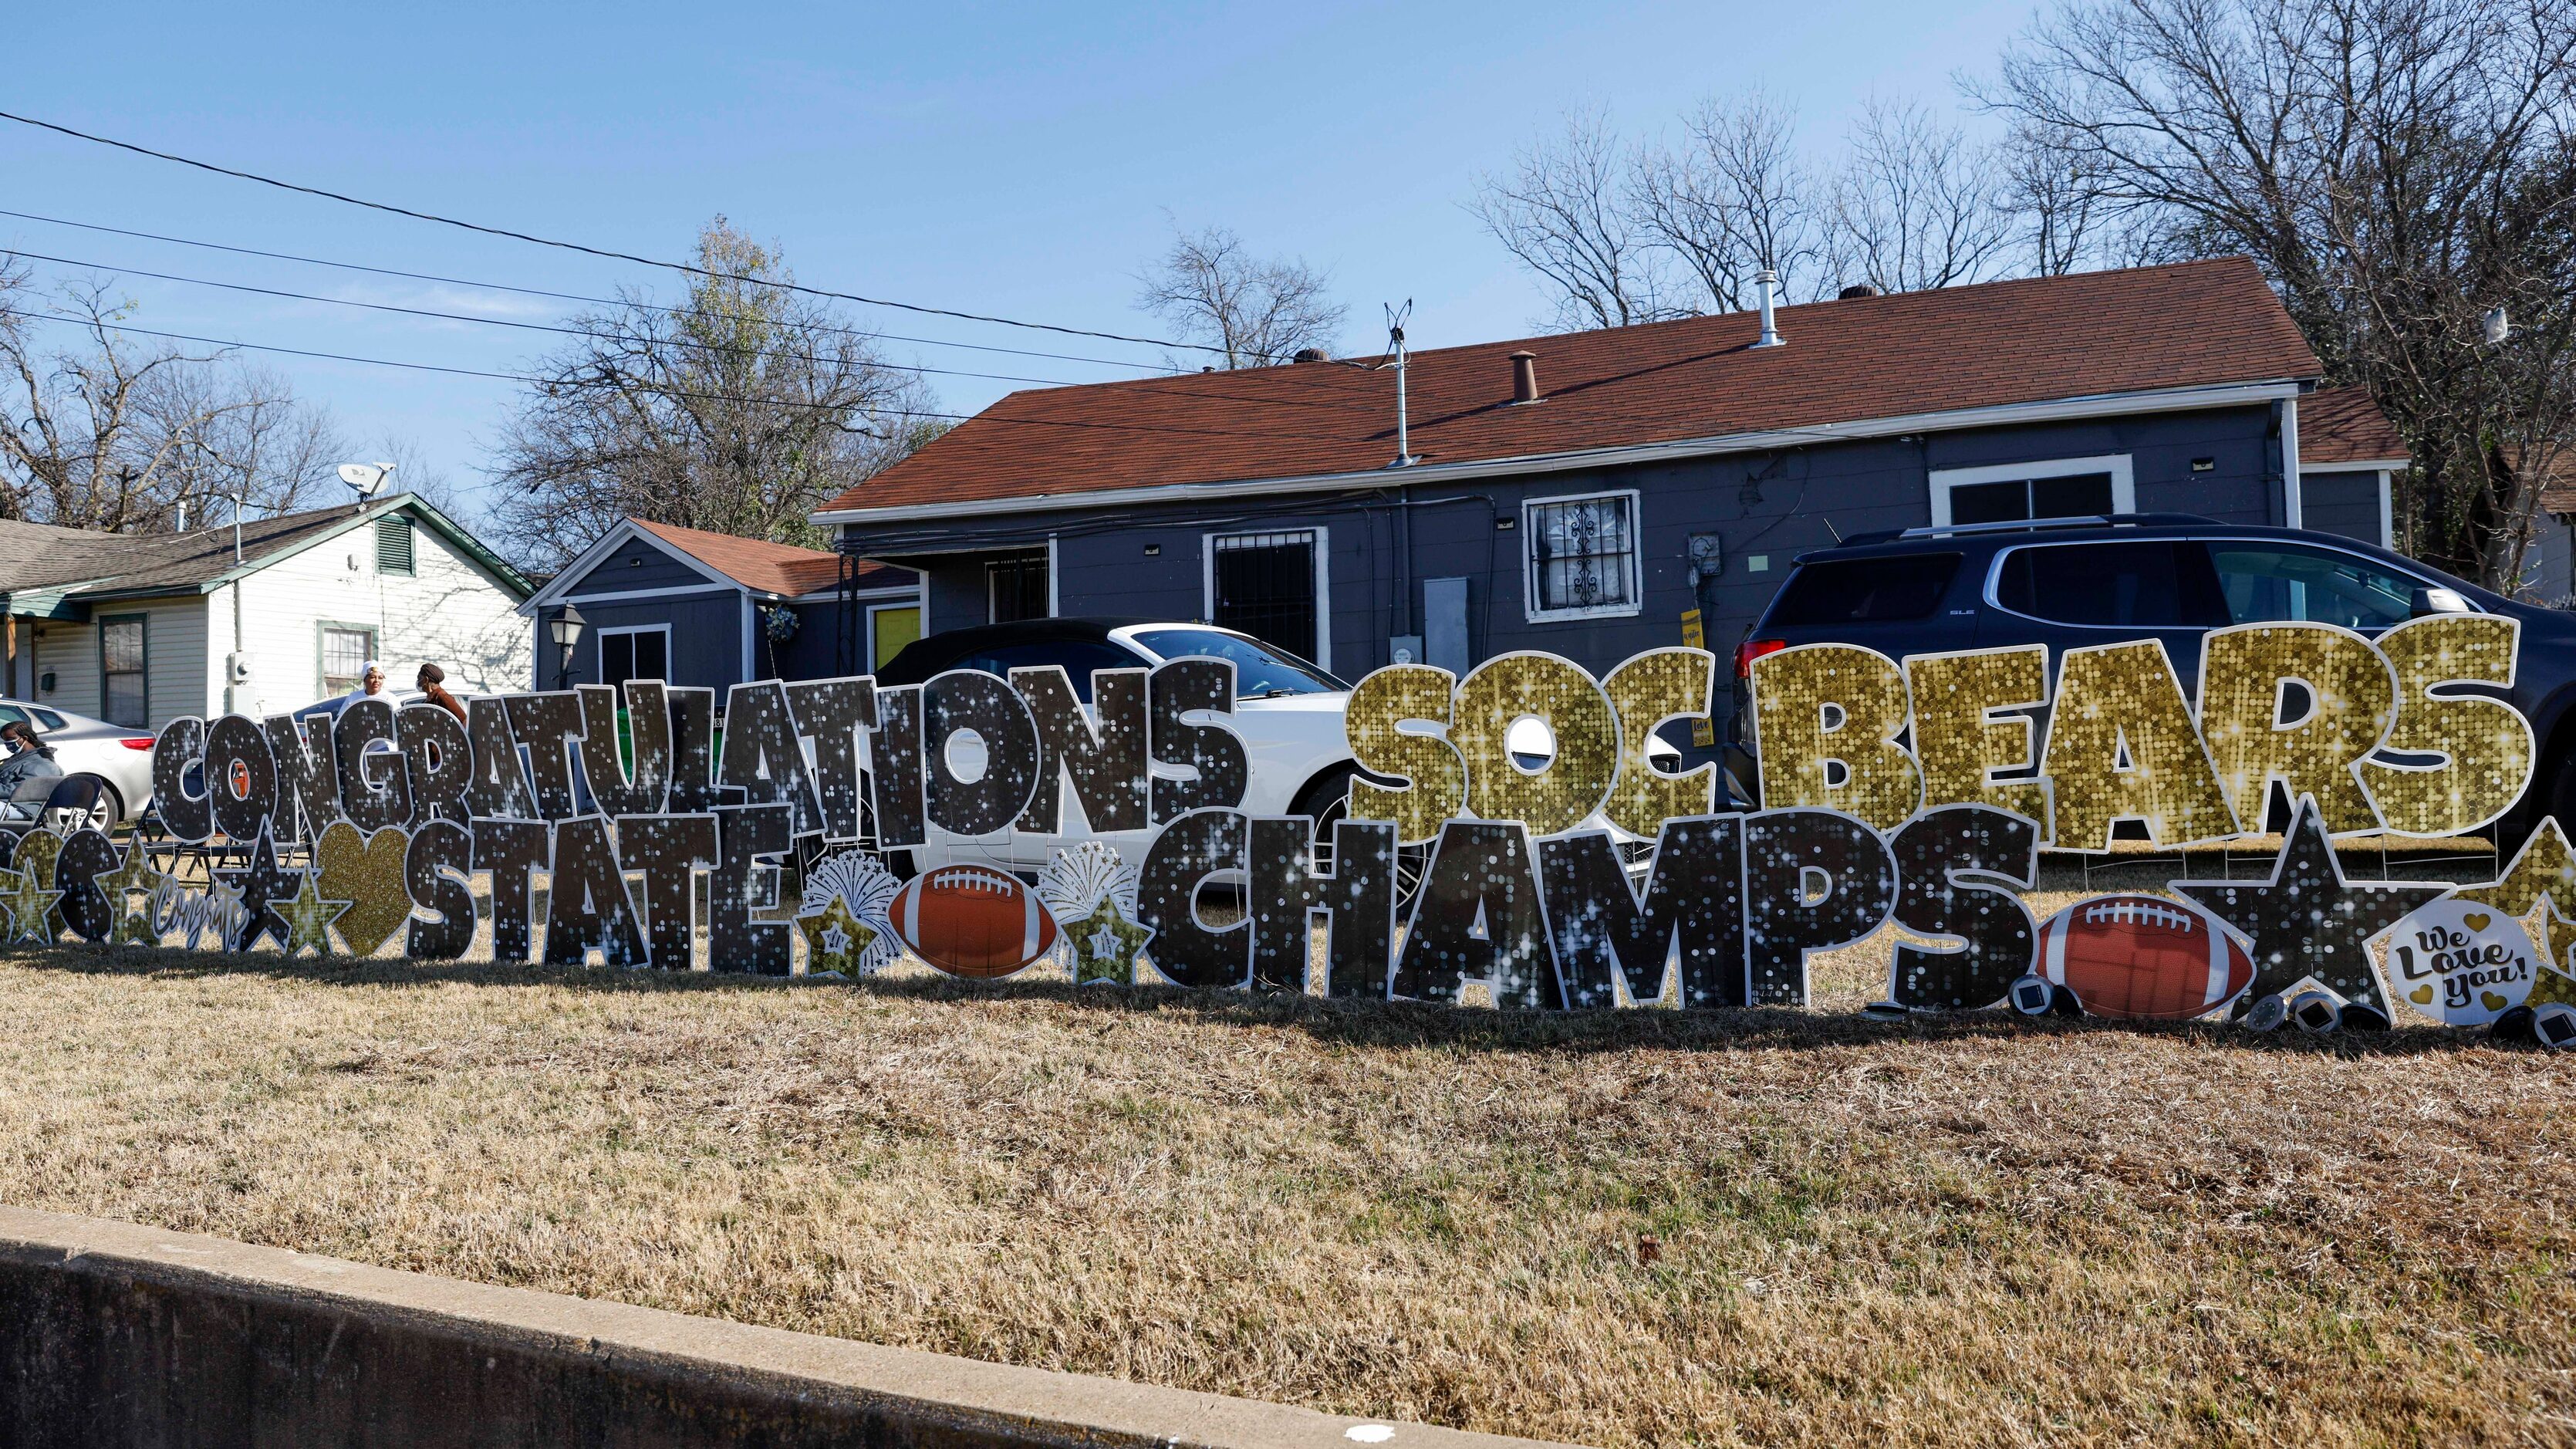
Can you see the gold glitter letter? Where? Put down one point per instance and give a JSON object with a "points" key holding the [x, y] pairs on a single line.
{"points": [[1852, 763], [1380, 704], [1575, 780], [2486, 742], [1653, 687], [2352, 700], [1958, 741], [2121, 746]]}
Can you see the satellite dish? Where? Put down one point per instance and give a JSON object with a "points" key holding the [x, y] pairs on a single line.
{"points": [[367, 478]]}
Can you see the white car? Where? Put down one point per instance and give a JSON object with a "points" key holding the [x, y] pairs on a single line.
{"points": [[1287, 711], [120, 759]]}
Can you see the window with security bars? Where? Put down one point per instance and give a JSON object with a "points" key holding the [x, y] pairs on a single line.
{"points": [[1017, 587], [393, 546], [1264, 586], [1583, 556]]}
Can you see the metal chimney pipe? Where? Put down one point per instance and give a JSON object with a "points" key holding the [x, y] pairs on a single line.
{"points": [[1524, 377], [1768, 280]]}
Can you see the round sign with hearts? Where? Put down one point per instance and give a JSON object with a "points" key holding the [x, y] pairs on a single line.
{"points": [[2460, 962]]}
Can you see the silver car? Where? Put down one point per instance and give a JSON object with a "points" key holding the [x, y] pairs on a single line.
{"points": [[120, 759]]}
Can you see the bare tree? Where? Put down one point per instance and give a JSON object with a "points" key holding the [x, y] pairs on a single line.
{"points": [[740, 411], [1915, 207], [1257, 313], [105, 433], [1730, 201], [2400, 168], [1565, 212]]}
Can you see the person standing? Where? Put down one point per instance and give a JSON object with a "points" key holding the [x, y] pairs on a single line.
{"points": [[433, 687]]}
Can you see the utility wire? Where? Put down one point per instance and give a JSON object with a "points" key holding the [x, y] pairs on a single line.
{"points": [[627, 337], [553, 383], [506, 322], [555, 296], [601, 252]]}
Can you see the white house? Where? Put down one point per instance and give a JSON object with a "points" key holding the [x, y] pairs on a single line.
{"points": [[139, 630]]}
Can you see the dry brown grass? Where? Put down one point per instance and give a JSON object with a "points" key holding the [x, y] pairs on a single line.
{"points": [[1969, 1230]]}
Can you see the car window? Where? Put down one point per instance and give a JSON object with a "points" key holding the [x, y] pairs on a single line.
{"points": [[1865, 590], [2268, 582], [1259, 669], [1078, 656], [12, 714], [46, 719], [2145, 584]]}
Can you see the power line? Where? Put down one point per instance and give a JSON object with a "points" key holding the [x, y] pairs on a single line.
{"points": [[587, 250], [541, 292], [503, 321], [551, 383], [434, 313]]}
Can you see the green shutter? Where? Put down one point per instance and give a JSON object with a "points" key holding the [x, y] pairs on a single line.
{"points": [[393, 546]]}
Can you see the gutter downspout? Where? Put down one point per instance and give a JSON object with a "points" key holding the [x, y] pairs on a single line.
{"points": [[2292, 510]]}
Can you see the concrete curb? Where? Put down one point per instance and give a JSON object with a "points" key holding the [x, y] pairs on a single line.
{"points": [[117, 1334]]}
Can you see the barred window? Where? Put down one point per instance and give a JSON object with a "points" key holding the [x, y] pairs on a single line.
{"points": [[1582, 556], [1263, 584]]}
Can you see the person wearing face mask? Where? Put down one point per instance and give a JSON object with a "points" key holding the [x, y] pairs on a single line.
{"points": [[30, 758]]}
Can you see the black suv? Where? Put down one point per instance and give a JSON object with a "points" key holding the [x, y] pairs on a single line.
{"points": [[2067, 583]]}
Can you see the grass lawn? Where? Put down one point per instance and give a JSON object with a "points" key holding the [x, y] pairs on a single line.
{"points": [[1637, 1228]]}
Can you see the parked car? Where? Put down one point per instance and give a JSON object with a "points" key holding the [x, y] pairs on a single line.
{"points": [[120, 759], [2067, 583], [1287, 710]]}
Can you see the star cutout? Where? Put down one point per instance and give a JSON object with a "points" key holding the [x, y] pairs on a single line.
{"points": [[2544, 869], [2551, 983], [836, 939], [261, 885], [137, 876], [2307, 920], [29, 905], [308, 918], [1105, 945]]}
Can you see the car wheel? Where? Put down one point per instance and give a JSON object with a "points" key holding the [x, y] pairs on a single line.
{"points": [[1328, 801]]}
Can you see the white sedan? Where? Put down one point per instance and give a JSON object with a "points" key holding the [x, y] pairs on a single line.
{"points": [[120, 759], [1287, 711]]}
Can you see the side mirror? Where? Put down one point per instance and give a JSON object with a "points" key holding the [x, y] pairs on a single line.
{"points": [[2436, 601]]}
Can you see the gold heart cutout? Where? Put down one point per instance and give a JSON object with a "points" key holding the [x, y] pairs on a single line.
{"points": [[2421, 995], [367, 871], [2493, 1001], [2476, 920]]}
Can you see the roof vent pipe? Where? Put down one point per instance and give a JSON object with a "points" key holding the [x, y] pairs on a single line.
{"points": [[1767, 280], [1524, 377]]}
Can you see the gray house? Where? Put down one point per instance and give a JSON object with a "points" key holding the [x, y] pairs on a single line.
{"points": [[697, 608], [1598, 493]]}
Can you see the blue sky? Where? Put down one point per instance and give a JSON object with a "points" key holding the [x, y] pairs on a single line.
{"points": [[1025, 161]]}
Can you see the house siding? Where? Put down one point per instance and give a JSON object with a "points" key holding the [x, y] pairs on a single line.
{"points": [[1765, 507], [706, 636], [637, 564], [174, 642]]}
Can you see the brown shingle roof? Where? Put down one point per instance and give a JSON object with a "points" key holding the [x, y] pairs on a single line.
{"points": [[2345, 425], [771, 568], [2147, 329]]}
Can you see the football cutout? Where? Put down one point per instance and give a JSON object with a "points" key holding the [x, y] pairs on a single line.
{"points": [[2143, 958], [972, 920]]}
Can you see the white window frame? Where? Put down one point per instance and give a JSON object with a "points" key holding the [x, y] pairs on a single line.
{"points": [[2124, 488], [1323, 652], [1530, 609], [599, 655]]}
